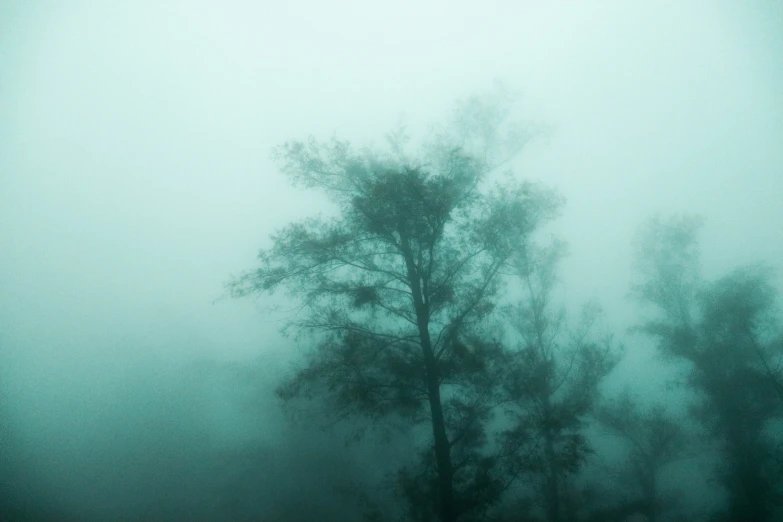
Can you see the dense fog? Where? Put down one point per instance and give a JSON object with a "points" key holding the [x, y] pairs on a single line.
{"points": [[138, 370]]}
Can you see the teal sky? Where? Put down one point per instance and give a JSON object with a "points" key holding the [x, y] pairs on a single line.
{"points": [[134, 150]]}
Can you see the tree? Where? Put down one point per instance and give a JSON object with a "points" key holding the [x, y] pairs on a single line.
{"points": [[656, 439], [557, 381], [726, 331], [395, 289]]}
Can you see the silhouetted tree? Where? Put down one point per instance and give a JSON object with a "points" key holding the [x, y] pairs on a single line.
{"points": [[556, 383], [726, 331], [396, 288]]}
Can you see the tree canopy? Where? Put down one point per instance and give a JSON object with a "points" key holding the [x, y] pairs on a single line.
{"points": [[726, 332], [402, 304], [397, 288]]}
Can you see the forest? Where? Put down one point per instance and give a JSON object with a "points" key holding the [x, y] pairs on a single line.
{"points": [[429, 307], [428, 262]]}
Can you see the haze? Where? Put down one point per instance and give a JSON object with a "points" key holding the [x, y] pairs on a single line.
{"points": [[135, 180]]}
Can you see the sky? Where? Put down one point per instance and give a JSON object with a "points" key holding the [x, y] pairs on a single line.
{"points": [[135, 175]]}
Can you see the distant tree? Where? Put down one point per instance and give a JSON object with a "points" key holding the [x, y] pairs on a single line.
{"points": [[556, 383], [726, 331], [395, 290], [655, 437]]}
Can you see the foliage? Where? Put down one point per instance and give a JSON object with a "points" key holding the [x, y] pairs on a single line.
{"points": [[397, 289], [726, 331], [556, 381]]}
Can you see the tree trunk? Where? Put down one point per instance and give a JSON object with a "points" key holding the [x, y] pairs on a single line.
{"points": [[553, 482], [652, 496], [442, 446], [553, 478]]}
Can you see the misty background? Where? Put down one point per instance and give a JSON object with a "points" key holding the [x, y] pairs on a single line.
{"points": [[135, 180]]}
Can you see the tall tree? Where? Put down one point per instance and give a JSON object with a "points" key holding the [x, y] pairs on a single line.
{"points": [[395, 289], [557, 380], [726, 331]]}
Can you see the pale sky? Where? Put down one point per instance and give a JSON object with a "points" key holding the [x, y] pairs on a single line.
{"points": [[134, 149]]}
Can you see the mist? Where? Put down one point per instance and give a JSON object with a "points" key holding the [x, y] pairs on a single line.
{"points": [[136, 181]]}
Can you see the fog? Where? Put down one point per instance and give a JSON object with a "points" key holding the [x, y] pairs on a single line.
{"points": [[136, 180]]}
